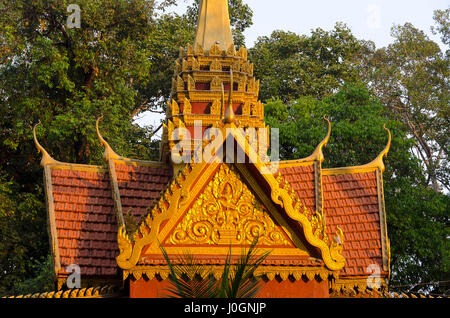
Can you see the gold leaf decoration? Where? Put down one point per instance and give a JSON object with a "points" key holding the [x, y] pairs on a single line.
{"points": [[227, 212]]}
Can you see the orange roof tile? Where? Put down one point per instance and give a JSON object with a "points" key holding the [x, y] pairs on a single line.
{"points": [[356, 212], [139, 186], [83, 215], [86, 226], [301, 179]]}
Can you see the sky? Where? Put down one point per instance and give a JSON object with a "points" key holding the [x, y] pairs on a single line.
{"points": [[368, 19]]}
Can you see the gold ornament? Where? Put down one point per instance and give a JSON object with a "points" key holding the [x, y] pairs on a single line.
{"points": [[227, 212]]}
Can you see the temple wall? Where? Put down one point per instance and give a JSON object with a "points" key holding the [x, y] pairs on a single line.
{"points": [[276, 288]]}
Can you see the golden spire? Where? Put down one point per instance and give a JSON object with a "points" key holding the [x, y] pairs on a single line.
{"points": [[229, 114], [214, 25]]}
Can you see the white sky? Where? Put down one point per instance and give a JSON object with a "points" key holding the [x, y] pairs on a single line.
{"points": [[368, 19]]}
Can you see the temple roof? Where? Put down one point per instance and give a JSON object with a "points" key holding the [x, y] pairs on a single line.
{"points": [[84, 225], [326, 222]]}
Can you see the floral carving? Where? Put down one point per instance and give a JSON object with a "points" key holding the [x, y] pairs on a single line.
{"points": [[227, 212]]}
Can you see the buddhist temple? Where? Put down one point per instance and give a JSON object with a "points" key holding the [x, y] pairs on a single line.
{"points": [[325, 229]]}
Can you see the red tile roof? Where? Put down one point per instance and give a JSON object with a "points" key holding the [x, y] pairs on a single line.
{"points": [[139, 186], [351, 202], [301, 179], [86, 225], [85, 221], [87, 229]]}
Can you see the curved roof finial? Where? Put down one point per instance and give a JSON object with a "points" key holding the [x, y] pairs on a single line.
{"points": [[46, 158], [109, 153], [379, 160], [318, 153]]}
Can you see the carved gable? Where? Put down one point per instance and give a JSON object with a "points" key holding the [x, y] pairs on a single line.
{"points": [[228, 212]]}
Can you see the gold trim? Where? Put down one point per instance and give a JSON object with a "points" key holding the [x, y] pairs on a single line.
{"points": [[318, 191], [269, 272], [229, 114], [51, 223], [177, 195], [370, 167], [109, 291], [111, 154], [47, 160], [318, 153], [227, 211], [270, 206], [187, 186], [331, 254], [352, 283], [213, 26], [383, 222]]}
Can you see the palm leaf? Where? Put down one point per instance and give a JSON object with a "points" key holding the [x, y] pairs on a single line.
{"points": [[186, 278], [243, 283], [236, 281]]}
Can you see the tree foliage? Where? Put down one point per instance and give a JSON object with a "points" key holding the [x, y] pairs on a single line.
{"points": [[118, 64], [417, 216], [411, 78], [291, 65]]}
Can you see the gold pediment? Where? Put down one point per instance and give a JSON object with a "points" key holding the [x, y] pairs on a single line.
{"points": [[303, 227], [228, 212]]}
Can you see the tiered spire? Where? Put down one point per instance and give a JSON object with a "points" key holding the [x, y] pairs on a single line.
{"points": [[214, 25], [202, 82]]}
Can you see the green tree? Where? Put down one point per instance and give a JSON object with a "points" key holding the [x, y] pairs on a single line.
{"points": [[442, 19], [410, 76], [291, 65], [417, 216], [119, 63], [23, 244], [66, 78]]}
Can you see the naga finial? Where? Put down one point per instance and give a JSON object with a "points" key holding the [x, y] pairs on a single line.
{"points": [[46, 158], [378, 162], [109, 153], [318, 153]]}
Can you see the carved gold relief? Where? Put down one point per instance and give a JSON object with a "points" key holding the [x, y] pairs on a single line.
{"points": [[215, 50], [187, 107], [227, 212], [180, 84], [216, 83], [192, 185], [215, 65], [215, 107]]}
